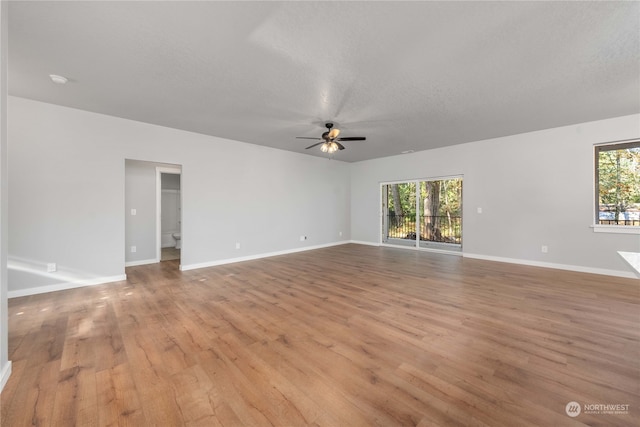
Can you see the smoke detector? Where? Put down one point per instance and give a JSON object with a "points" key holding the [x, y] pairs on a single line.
{"points": [[59, 80]]}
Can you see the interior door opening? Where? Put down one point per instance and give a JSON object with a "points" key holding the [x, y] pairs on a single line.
{"points": [[151, 189], [168, 214]]}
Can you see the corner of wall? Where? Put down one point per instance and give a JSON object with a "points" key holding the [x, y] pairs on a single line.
{"points": [[5, 364], [5, 373]]}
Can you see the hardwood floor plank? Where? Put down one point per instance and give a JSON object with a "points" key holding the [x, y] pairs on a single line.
{"points": [[66, 405], [278, 406], [87, 398], [236, 391], [107, 404], [118, 402], [108, 345], [192, 387], [12, 388], [348, 335], [323, 393], [46, 392]]}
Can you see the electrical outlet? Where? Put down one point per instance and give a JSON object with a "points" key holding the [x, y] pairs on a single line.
{"points": [[340, 234], [52, 267], [479, 210], [133, 249], [237, 245], [303, 238], [134, 212], [544, 249]]}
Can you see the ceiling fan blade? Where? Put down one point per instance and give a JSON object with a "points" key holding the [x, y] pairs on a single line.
{"points": [[311, 146], [333, 133], [306, 137], [353, 138], [340, 146]]}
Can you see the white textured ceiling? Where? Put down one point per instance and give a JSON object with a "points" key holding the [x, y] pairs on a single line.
{"points": [[407, 75]]}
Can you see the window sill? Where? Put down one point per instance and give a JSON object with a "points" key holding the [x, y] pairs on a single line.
{"points": [[616, 229]]}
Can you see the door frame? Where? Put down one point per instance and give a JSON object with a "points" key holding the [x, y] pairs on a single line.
{"points": [[159, 171], [384, 211]]}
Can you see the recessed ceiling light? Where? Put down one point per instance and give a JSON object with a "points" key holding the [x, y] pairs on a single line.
{"points": [[407, 151], [60, 80]]}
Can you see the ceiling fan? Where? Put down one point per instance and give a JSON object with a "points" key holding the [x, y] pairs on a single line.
{"points": [[330, 141]]}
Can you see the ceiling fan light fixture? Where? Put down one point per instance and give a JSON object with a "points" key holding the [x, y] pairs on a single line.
{"points": [[329, 147]]}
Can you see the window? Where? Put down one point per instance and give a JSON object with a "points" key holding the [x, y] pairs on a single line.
{"points": [[618, 184]]}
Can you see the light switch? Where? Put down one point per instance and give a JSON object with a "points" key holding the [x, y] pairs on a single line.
{"points": [[133, 212]]}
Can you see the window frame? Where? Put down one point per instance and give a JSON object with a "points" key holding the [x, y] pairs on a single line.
{"points": [[609, 228]]}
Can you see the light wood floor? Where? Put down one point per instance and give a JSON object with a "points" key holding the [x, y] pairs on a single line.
{"points": [[345, 336], [169, 254]]}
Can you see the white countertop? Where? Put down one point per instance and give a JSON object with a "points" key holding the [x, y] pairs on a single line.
{"points": [[633, 259]]}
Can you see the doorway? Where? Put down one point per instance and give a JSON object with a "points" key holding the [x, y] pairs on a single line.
{"points": [[423, 214], [143, 211], [168, 213]]}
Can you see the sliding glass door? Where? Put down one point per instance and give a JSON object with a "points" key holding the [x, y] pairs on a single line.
{"points": [[401, 214], [424, 213]]}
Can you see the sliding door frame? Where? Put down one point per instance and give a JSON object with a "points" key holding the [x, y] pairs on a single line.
{"points": [[384, 212]]}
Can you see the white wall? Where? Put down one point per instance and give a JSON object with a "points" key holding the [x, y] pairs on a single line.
{"points": [[5, 364], [67, 199], [535, 189], [140, 194]]}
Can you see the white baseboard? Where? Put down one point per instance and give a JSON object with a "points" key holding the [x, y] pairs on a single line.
{"points": [[63, 286], [411, 248], [5, 374], [141, 262], [422, 249], [577, 268], [258, 256], [362, 242]]}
